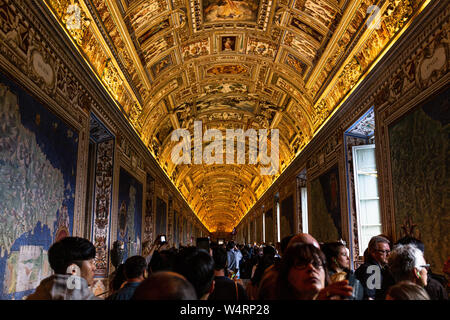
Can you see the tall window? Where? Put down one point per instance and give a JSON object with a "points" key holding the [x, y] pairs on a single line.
{"points": [[277, 201], [304, 201], [366, 194], [263, 226]]}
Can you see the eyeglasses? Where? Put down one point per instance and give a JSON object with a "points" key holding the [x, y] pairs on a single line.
{"points": [[301, 265], [426, 266], [386, 252]]}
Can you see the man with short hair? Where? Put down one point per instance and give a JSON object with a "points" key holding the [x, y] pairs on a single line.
{"points": [[224, 287], [197, 266], [135, 268], [73, 261], [371, 273], [406, 262], [435, 288]]}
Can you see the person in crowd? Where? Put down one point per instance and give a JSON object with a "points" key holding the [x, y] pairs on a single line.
{"points": [[266, 261], [266, 289], [375, 268], [118, 279], [436, 284], [165, 285], [338, 263], [303, 276], [407, 290], [224, 287], [245, 265], [406, 262], [135, 269], [231, 257], [197, 266], [162, 261], [73, 262], [150, 249]]}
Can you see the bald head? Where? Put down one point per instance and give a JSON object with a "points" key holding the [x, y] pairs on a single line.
{"points": [[304, 238], [165, 285]]}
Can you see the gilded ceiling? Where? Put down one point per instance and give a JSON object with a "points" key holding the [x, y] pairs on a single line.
{"points": [[232, 64]]}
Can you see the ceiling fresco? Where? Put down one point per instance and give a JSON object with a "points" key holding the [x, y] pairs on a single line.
{"points": [[231, 64]]}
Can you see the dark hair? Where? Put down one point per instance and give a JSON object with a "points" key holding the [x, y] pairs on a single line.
{"points": [[162, 261], [220, 258], [297, 252], [165, 285], [331, 251], [266, 261], [284, 243], [135, 267], [230, 245], [198, 268], [407, 290], [411, 240], [119, 277], [69, 250]]}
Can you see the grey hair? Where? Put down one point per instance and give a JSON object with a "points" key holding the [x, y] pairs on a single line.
{"points": [[377, 239], [403, 259]]}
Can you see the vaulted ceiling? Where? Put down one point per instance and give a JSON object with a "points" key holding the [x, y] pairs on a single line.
{"points": [[231, 64]]}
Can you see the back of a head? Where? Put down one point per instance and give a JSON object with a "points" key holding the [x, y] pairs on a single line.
{"points": [[135, 267], [403, 259], [220, 258], [198, 268], [165, 285], [304, 238], [69, 250], [162, 261], [119, 277], [411, 240], [407, 290]]}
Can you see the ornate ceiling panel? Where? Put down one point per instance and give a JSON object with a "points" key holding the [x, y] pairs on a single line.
{"points": [[231, 64]]}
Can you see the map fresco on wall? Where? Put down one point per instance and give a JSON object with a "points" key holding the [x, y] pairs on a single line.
{"points": [[325, 222], [38, 162], [268, 222], [420, 176], [130, 213], [287, 217], [161, 217]]}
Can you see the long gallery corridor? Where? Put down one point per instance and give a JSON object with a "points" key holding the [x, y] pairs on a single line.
{"points": [[153, 127]]}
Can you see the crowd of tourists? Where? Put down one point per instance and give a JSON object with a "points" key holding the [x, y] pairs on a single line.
{"points": [[298, 267]]}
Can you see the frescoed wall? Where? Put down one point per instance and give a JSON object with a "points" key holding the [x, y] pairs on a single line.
{"points": [[259, 229], [161, 217], [176, 228], [420, 177], [38, 162], [268, 224], [325, 213], [130, 213], [185, 235], [287, 217]]}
